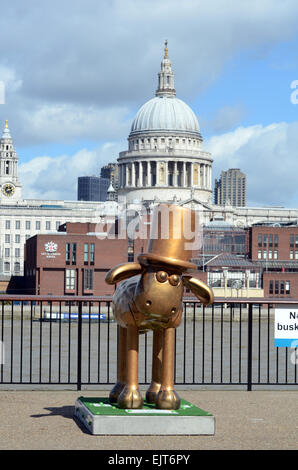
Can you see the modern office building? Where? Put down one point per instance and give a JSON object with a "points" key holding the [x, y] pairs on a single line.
{"points": [[92, 188], [230, 189], [111, 172]]}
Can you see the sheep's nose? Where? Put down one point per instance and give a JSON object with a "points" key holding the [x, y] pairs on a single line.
{"points": [[173, 310]]}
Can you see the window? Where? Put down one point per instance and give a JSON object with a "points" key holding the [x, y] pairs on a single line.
{"points": [[296, 254], [275, 254], [270, 239], [291, 254], [37, 225], [6, 266], [27, 237], [17, 267], [270, 287], [70, 279], [48, 225], [7, 224], [270, 254], [7, 252], [276, 240], [287, 287], [17, 238], [296, 241], [259, 240], [130, 254], [265, 255], [67, 253], [92, 250], [18, 224], [28, 224], [259, 254], [17, 252], [265, 240], [282, 287], [276, 290], [74, 253], [58, 223], [291, 240], [88, 279], [86, 252], [7, 238]]}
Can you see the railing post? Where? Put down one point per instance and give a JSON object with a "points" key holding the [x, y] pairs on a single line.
{"points": [[249, 348], [79, 357]]}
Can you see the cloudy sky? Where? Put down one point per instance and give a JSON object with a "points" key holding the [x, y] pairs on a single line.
{"points": [[76, 72]]}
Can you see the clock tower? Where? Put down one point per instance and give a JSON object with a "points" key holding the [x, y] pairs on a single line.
{"points": [[10, 186]]}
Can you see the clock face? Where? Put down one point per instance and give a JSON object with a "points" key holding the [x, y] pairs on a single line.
{"points": [[8, 189]]}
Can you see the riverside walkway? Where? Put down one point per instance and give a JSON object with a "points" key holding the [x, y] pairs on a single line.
{"points": [[256, 420]]}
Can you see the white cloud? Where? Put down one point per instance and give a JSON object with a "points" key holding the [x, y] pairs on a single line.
{"points": [[66, 122], [225, 119], [55, 178], [80, 73], [267, 154], [96, 62]]}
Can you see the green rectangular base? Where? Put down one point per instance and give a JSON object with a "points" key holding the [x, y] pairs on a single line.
{"points": [[100, 417]]}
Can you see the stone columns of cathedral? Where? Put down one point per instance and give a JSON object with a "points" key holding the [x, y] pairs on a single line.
{"points": [[151, 173]]}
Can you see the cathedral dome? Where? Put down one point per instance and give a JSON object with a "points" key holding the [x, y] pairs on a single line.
{"points": [[165, 113]]}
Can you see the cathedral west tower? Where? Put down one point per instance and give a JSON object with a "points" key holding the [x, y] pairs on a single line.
{"points": [[165, 160], [10, 186]]}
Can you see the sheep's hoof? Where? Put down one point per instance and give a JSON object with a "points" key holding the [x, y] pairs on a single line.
{"points": [[115, 392], [168, 400], [130, 398], [152, 392]]}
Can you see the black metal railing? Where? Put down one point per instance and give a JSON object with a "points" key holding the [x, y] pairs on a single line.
{"points": [[72, 342]]}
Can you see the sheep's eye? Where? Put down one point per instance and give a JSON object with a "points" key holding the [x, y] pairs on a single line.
{"points": [[161, 276], [174, 280]]}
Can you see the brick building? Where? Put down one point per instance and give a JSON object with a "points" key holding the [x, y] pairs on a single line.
{"points": [[275, 248], [74, 261]]}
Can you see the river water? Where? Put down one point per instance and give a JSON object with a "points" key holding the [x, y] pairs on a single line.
{"points": [[208, 351]]}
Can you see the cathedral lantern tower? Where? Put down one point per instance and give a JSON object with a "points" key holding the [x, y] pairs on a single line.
{"points": [[165, 160], [10, 186]]}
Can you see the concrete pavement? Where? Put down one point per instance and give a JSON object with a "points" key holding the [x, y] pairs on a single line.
{"points": [[43, 420]]}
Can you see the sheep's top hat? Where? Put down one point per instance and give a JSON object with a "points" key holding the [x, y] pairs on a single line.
{"points": [[173, 237]]}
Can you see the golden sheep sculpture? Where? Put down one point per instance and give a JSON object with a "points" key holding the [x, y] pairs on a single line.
{"points": [[149, 297]]}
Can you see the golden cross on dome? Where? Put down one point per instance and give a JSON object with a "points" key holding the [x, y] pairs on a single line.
{"points": [[6, 123]]}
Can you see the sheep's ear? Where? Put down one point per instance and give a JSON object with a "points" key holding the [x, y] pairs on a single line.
{"points": [[199, 289], [123, 271]]}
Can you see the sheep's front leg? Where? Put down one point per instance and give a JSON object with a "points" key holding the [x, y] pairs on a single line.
{"points": [[167, 398], [154, 388], [130, 397], [121, 366]]}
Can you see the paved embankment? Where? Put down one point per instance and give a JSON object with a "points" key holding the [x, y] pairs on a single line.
{"points": [[244, 420]]}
